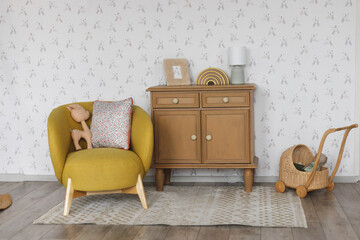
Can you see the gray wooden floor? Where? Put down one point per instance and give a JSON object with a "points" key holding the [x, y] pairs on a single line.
{"points": [[330, 215]]}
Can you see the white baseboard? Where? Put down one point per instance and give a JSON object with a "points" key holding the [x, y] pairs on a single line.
{"points": [[24, 178], [273, 179], [21, 178]]}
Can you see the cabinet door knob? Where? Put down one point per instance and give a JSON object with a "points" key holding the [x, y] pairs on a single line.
{"points": [[193, 137], [175, 101], [225, 99], [208, 137]]}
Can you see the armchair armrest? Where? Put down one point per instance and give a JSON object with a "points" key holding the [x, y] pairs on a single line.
{"points": [[59, 139], [142, 136]]}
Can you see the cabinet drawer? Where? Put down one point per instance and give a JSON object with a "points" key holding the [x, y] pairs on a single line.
{"points": [[175, 100], [225, 99]]}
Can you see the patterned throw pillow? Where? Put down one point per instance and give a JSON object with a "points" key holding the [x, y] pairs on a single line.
{"points": [[110, 125]]}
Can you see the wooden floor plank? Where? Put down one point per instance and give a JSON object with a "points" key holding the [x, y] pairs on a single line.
{"points": [[314, 231], [244, 233], [93, 232], [332, 217], [122, 233], [6, 187], [266, 184], [187, 184], [63, 232], [276, 233], [357, 186], [152, 232], [32, 232], [40, 201], [349, 200], [182, 233], [204, 184], [148, 184], [309, 210], [214, 233], [25, 195], [24, 188]]}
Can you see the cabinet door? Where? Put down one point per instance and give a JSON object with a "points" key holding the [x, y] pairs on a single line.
{"points": [[226, 136], [177, 136]]}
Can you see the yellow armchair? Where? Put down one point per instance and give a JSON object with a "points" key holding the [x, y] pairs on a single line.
{"points": [[99, 170]]}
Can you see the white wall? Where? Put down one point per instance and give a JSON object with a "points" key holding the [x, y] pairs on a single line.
{"points": [[301, 56]]}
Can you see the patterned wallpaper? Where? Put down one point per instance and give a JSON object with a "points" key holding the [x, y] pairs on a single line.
{"points": [[301, 56]]}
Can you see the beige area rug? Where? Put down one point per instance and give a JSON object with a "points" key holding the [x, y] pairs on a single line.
{"points": [[184, 205]]}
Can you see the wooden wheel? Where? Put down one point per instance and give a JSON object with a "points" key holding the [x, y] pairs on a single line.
{"points": [[280, 186], [301, 191], [331, 186]]}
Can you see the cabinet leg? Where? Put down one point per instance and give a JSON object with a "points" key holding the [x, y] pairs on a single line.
{"points": [[167, 176], [159, 179], [248, 179]]}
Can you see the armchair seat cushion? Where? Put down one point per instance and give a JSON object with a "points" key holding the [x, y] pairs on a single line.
{"points": [[102, 169]]}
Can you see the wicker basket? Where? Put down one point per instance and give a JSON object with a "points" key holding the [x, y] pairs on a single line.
{"points": [[293, 177], [305, 182]]}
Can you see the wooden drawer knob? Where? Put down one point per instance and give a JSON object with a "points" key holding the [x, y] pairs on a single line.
{"points": [[208, 137], [193, 137], [175, 101], [225, 99]]}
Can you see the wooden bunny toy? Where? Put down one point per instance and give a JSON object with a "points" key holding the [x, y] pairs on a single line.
{"points": [[80, 115]]}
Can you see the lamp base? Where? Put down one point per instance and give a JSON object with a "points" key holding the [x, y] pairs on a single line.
{"points": [[237, 75]]}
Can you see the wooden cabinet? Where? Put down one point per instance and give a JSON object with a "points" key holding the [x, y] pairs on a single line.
{"points": [[203, 127]]}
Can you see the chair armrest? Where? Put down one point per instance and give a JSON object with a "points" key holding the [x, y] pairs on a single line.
{"points": [[59, 139], [142, 136]]}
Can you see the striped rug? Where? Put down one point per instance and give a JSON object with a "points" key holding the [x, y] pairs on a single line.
{"points": [[186, 206]]}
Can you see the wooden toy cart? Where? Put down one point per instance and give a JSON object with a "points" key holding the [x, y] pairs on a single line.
{"points": [[305, 182]]}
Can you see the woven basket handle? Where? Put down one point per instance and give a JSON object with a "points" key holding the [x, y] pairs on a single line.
{"points": [[317, 159]]}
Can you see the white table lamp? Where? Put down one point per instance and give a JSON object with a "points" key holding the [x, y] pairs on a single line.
{"points": [[237, 59]]}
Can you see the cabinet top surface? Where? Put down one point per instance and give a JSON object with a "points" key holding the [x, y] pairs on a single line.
{"points": [[249, 86]]}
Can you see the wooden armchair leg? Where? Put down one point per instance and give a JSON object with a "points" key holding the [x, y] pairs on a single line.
{"points": [[140, 191], [69, 195]]}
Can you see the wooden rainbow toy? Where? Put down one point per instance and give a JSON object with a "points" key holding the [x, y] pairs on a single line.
{"points": [[212, 76]]}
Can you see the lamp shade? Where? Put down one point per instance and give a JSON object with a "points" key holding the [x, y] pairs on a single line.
{"points": [[237, 56]]}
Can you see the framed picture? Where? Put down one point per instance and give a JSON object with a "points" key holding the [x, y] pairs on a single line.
{"points": [[176, 72]]}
